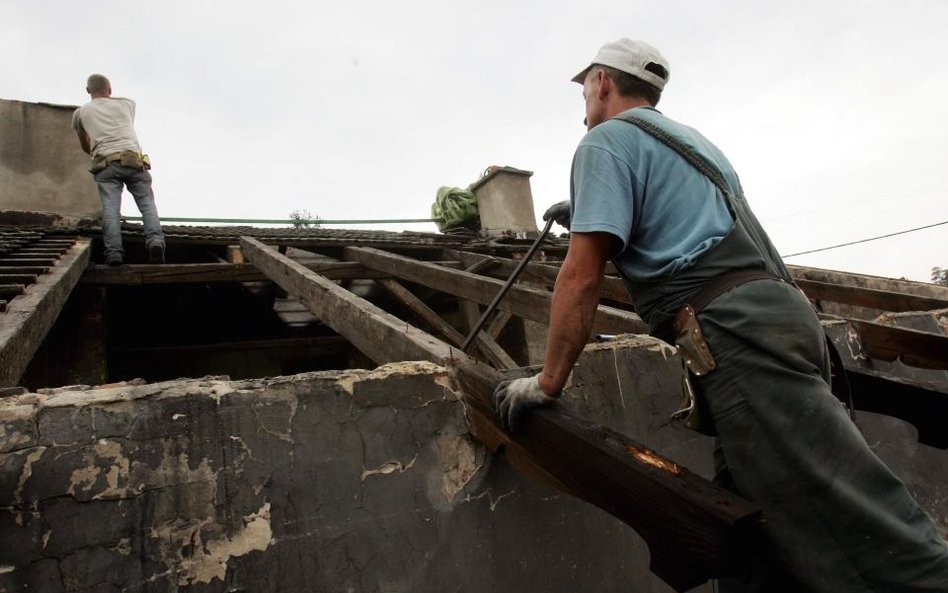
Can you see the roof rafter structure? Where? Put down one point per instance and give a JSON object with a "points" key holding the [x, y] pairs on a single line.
{"points": [[694, 529], [529, 303], [28, 317]]}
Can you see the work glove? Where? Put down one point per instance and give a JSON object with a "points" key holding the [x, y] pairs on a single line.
{"points": [[560, 213], [513, 398]]}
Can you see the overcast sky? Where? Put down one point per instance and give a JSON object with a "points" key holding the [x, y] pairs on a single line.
{"points": [[834, 113]]}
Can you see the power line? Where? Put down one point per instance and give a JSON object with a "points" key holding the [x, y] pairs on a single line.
{"points": [[865, 240]]}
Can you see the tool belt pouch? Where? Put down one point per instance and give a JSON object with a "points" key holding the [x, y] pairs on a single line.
{"points": [[133, 160], [697, 359], [99, 165]]}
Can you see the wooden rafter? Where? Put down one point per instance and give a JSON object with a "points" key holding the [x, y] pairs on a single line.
{"points": [[28, 318], [138, 275], [694, 530], [915, 348], [540, 272], [871, 298], [529, 303]]}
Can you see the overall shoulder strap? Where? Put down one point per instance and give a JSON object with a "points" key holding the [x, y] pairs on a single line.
{"points": [[697, 160]]}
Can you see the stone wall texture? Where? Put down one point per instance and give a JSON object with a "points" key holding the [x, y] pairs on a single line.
{"points": [[348, 481]]}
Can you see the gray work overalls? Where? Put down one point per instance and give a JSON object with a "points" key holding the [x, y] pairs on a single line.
{"points": [[837, 518]]}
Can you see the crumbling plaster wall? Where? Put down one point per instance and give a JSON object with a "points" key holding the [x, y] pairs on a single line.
{"points": [[354, 481], [42, 167]]}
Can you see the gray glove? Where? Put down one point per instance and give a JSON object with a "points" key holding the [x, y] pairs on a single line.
{"points": [[513, 398], [560, 213]]}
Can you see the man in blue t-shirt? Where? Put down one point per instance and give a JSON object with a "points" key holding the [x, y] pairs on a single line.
{"points": [[665, 205]]}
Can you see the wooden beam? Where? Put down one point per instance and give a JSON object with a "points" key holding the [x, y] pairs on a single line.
{"points": [[28, 318], [419, 308], [141, 275], [871, 298], [497, 324], [694, 529], [23, 269], [17, 278], [529, 303], [8, 291], [915, 348], [923, 405], [613, 288], [26, 261], [376, 333]]}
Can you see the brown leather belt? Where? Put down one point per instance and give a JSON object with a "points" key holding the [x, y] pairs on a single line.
{"points": [[725, 282]]}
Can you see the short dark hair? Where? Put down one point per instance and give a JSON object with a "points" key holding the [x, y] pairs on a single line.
{"points": [[97, 83], [630, 86]]}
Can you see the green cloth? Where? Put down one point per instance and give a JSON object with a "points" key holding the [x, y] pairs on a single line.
{"points": [[455, 207]]}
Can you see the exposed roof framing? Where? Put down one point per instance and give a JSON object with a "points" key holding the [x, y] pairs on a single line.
{"points": [[694, 529], [27, 315], [529, 303]]}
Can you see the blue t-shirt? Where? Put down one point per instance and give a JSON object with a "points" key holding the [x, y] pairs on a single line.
{"points": [[663, 211]]}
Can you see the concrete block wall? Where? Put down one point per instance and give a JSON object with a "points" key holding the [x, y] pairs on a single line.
{"points": [[42, 167]]}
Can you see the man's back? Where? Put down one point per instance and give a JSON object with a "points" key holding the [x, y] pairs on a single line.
{"points": [[109, 122]]}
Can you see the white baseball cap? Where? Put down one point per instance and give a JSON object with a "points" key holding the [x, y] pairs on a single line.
{"points": [[637, 58]]}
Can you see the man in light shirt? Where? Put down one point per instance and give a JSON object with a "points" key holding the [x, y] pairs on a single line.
{"points": [[106, 129]]}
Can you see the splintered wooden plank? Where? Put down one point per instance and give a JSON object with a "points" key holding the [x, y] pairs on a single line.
{"points": [[695, 530], [871, 298], [28, 317], [529, 303]]}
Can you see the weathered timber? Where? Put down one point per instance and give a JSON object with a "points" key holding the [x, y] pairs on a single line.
{"points": [[147, 274], [485, 343], [17, 278], [28, 319], [540, 272], [497, 324], [27, 261], [695, 531], [914, 348], [925, 289], [529, 303], [8, 291], [418, 307], [923, 405], [377, 334], [23, 269], [870, 298]]}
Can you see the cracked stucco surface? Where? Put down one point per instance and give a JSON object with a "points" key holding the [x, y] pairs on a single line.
{"points": [[179, 483]]}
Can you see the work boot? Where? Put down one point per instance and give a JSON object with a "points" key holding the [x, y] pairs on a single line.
{"points": [[114, 259], [156, 253]]}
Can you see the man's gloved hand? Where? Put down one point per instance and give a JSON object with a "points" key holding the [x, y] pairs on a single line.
{"points": [[560, 213], [513, 398]]}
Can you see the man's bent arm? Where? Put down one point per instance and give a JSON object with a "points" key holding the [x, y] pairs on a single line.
{"points": [[575, 298], [84, 141]]}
